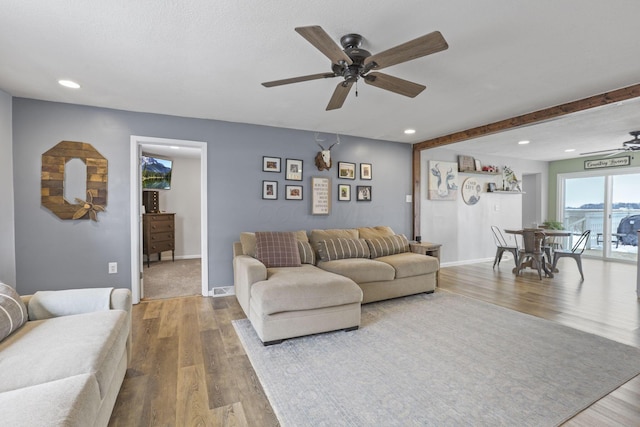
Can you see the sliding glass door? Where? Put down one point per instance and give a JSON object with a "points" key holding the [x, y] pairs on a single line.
{"points": [[625, 216], [608, 204], [584, 210]]}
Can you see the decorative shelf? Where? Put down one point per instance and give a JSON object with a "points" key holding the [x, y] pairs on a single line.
{"points": [[507, 192], [480, 173]]}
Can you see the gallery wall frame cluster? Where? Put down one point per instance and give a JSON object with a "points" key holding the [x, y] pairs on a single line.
{"points": [[293, 172], [320, 186], [347, 170]]}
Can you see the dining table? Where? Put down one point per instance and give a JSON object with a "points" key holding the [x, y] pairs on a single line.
{"points": [[548, 233]]}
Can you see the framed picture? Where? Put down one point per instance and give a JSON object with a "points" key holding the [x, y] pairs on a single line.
{"points": [[270, 190], [466, 163], [293, 170], [363, 193], [271, 164], [293, 192], [344, 192], [365, 171], [443, 180], [346, 170], [478, 165], [320, 196], [491, 187]]}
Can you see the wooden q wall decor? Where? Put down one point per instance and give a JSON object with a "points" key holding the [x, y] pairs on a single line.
{"points": [[54, 162]]}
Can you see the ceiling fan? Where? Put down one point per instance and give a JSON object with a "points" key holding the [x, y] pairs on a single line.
{"points": [[352, 63], [631, 145]]}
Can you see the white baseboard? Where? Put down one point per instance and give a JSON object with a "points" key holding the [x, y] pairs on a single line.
{"points": [[469, 261], [188, 256]]}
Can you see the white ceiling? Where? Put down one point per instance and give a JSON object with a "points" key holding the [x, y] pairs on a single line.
{"points": [[206, 59]]}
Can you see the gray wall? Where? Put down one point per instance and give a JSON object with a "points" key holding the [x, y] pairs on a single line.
{"points": [[56, 254], [7, 239]]}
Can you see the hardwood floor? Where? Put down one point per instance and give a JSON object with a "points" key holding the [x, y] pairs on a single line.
{"points": [[189, 368]]}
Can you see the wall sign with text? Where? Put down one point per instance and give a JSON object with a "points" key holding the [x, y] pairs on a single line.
{"points": [[320, 196], [607, 163]]}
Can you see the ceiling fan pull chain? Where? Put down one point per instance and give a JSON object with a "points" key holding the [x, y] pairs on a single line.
{"points": [[356, 88]]}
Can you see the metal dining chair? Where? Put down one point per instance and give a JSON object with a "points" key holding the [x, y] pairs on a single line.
{"points": [[575, 252], [503, 246], [532, 239]]}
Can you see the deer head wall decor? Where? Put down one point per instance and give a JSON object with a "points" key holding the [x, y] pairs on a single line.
{"points": [[323, 158]]}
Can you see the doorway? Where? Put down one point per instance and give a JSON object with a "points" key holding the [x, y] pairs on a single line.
{"points": [[139, 144]]}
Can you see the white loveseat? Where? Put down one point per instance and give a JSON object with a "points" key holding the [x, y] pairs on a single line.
{"points": [[64, 366]]}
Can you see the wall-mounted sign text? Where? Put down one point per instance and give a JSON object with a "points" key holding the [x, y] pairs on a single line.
{"points": [[320, 196], [607, 163]]}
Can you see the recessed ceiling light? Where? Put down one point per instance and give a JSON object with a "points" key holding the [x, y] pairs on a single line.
{"points": [[409, 131], [523, 142], [69, 84], [173, 147], [569, 150]]}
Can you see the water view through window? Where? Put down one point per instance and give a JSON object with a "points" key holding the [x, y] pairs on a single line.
{"points": [[609, 206]]}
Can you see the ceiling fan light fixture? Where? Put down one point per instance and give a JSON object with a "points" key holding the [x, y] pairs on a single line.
{"points": [[350, 62]]}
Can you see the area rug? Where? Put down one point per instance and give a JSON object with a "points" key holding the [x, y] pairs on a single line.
{"points": [[439, 360]]}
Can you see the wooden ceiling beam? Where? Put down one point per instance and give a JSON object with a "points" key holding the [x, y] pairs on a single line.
{"points": [[514, 122], [531, 118]]}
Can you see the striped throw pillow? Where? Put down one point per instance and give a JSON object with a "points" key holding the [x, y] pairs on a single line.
{"points": [[13, 313], [333, 249], [391, 245], [307, 255], [277, 249]]}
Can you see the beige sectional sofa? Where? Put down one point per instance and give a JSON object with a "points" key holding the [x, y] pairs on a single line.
{"points": [[64, 366], [338, 270]]}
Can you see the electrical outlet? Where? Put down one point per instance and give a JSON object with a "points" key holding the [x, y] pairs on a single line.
{"points": [[113, 267]]}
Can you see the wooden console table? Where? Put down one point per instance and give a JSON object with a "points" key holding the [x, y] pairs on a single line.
{"points": [[158, 235], [428, 248]]}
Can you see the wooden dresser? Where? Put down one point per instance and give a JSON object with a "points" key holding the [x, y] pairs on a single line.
{"points": [[158, 234]]}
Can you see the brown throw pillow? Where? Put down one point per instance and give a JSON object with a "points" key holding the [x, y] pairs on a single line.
{"points": [[333, 249], [13, 312], [277, 249], [384, 246]]}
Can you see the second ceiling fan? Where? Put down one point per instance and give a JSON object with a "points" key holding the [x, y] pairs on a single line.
{"points": [[352, 63], [631, 145]]}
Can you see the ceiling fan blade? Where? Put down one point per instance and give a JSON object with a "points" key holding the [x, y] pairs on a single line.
{"points": [[417, 48], [615, 153], [339, 95], [323, 42], [298, 79], [603, 151], [394, 84]]}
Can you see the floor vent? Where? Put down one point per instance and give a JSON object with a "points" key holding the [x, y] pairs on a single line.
{"points": [[222, 291]]}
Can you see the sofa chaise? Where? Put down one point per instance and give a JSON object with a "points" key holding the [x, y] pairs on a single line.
{"points": [[294, 284], [65, 356]]}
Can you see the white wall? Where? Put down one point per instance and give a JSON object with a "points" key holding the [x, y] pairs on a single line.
{"points": [[7, 226], [184, 200], [531, 203], [465, 230]]}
